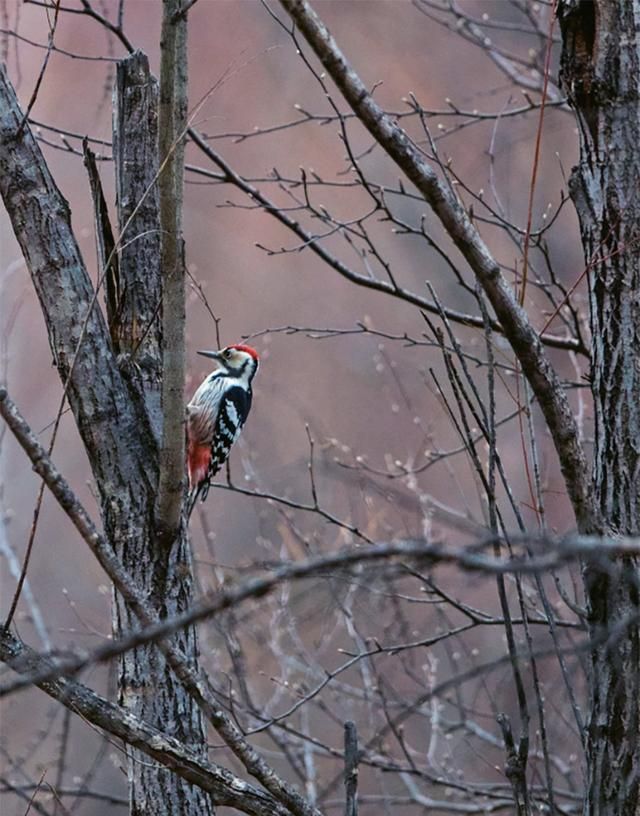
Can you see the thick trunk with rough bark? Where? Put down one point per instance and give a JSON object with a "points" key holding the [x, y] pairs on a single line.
{"points": [[114, 401], [601, 74], [147, 685]]}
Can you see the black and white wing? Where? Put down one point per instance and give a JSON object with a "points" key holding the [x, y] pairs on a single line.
{"points": [[233, 410], [232, 414]]}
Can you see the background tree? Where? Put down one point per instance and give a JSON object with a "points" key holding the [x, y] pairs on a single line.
{"points": [[603, 81], [422, 411]]}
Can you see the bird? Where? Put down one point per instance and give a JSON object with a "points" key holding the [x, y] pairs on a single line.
{"points": [[216, 414]]}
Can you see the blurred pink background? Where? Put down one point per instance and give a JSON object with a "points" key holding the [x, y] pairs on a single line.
{"points": [[360, 395]]}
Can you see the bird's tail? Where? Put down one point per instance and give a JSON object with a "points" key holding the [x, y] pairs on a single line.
{"points": [[190, 502], [200, 491]]}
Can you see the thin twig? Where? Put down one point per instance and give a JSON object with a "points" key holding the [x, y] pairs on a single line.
{"points": [[43, 67], [536, 154]]}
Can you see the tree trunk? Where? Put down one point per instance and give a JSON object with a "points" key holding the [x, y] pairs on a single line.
{"points": [[601, 74], [147, 685], [113, 401]]}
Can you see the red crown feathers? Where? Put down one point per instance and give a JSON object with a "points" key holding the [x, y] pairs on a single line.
{"points": [[247, 349]]}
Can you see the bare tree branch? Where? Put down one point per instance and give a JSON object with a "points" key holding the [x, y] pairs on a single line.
{"points": [[146, 682], [41, 220], [173, 120], [191, 677], [224, 787], [557, 552], [517, 328], [106, 245], [351, 576], [313, 243], [351, 768]]}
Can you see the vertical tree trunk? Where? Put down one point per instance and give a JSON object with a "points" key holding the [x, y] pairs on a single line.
{"points": [[135, 317], [147, 685], [601, 74], [173, 129], [114, 401]]}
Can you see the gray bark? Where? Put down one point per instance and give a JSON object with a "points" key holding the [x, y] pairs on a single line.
{"points": [[185, 669], [147, 685], [173, 126], [351, 769], [601, 74], [121, 445], [136, 317], [105, 240], [154, 579], [224, 787]]}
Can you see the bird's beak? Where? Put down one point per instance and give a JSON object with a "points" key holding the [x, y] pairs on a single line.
{"points": [[216, 355]]}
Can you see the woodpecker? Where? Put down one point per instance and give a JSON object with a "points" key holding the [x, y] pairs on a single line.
{"points": [[216, 414]]}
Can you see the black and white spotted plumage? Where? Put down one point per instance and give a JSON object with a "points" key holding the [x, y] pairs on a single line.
{"points": [[216, 415], [232, 413]]}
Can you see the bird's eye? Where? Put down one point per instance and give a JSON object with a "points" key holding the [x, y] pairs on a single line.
{"points": [[226, 353]]}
